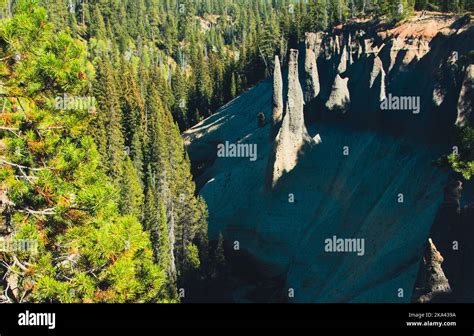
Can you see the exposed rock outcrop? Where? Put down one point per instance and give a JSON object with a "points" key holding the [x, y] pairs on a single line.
{"points": [[339, 99], [439, 94], [445, 79], [337, 45], [377, 68], [312, 86], [314, 41], [415, 49], [432, 284], [380, 84], [292, 134], [466, 98], [368, 46], [343, 63], [360, 51], [350, 50], [452, 233], [447, 222], [277, 112], [377, 78], [394, 50], [452, 195]]}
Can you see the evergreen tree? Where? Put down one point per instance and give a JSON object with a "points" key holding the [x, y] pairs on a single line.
{"points": [[63, 201], [131, 191], [106, 95], [219, 254], [233, 86], [317, 18]]}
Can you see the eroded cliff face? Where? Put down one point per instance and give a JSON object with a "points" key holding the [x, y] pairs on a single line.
{"points": [[419, 59], [371, 177]]}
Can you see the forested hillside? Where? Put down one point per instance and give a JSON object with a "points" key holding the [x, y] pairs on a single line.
{"points": [[94, 95], [93, 171]]}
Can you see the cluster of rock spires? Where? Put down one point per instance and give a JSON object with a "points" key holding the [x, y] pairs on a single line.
{"points": [[290, 134], [349, 72], [312, 86], [348, 47], [359, 68], [289, 127]]}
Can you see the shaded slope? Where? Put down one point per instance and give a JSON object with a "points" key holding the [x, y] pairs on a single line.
{"points": [[352, 196]]}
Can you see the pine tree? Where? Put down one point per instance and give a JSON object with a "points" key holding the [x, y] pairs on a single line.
{"points": [[131, 191], [233, 86], [180, 89], [64, 201], [219, 254], [106, 95]]}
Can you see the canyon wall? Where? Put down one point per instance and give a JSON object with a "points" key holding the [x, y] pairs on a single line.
{"points": [[371, 177]]}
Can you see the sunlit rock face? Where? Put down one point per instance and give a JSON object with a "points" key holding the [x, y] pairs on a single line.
{"points": [[312, 86], [339, 99], [293, 134]]}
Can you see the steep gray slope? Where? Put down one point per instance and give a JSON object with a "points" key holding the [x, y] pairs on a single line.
{"points": [[371, 179], [354, 196]]}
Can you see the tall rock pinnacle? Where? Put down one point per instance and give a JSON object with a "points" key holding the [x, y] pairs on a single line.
{"points": [[294, 104], [277, 114], [337, 43], [350, 49], [314, 41], [377, 78], [312, 86], [292, 134], [431, 282], [343, 63]]}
